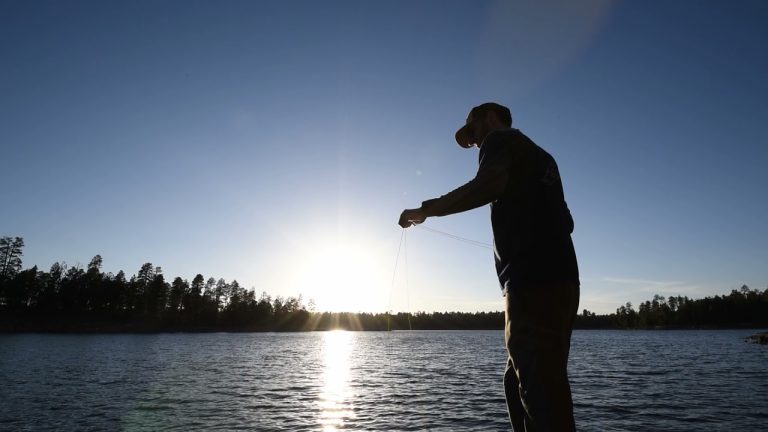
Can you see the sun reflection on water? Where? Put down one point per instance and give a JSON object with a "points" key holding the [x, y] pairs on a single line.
{"points": [[335, 398]]}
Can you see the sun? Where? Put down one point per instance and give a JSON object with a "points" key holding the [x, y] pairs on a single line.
{"points": [[343, 277]]}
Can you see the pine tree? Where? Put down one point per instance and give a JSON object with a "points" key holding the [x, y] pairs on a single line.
{"points": [[10, 256]]}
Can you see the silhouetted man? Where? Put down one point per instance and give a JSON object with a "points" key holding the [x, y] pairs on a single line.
{"points": [[535, 262]]}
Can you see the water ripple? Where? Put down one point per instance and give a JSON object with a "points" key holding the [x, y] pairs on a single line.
{"points": [[395, 381]]}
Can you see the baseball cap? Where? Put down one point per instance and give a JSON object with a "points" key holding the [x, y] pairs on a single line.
{"points": [[465, 134]]}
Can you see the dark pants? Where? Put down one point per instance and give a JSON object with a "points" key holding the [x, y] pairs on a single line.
{"points": [[538, 337]]}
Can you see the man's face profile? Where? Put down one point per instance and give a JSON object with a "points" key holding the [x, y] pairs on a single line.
{"points": [[471, 130]]}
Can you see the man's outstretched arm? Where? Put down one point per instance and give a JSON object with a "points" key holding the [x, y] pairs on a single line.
{"points": [[487, 186]]}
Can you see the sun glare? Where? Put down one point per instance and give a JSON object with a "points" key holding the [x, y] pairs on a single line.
{"points": [[342, 278], [335, 400]]}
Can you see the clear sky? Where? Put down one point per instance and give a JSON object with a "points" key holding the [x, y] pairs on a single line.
{"points": [[276, 143]]}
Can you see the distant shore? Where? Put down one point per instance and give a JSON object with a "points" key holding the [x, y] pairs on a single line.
{"points": [[87, 300], [760, 338], [333, 321]]}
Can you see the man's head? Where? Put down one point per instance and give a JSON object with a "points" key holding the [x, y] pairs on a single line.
{"points": [[482, 120]]}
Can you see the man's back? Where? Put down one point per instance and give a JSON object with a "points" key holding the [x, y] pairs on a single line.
{"points": [[531, 222]]}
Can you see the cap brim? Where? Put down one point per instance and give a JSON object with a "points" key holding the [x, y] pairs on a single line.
{"points": [[463, 137]]}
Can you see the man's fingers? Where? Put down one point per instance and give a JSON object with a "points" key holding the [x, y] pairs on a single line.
{"points": [[404, 222], [410, 218]]}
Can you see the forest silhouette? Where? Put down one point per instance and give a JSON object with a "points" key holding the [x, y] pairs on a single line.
{"points": [[76, 299]]}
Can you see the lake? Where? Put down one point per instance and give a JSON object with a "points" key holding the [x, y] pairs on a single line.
{"points": [[420, 380]]}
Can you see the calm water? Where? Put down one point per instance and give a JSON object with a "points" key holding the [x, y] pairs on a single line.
{"points": [[441, 381]]}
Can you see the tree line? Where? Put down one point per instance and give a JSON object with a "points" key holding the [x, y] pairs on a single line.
{"points": [[742, 308], [76, 299]]}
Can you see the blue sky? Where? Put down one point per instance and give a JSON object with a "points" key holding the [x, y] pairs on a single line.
{"points": [[277, 142]]}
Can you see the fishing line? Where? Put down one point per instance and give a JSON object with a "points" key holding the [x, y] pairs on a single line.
{"points": [[394, 274], [455, 237], [403, 247], [389, 341], [405, 272]]}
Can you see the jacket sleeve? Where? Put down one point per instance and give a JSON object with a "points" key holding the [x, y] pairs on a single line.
{"points": [[487, 186]]}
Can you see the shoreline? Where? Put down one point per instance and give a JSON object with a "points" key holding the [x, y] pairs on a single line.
{"points": [[761, 337]]}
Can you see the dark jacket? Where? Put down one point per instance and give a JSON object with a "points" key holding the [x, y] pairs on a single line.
{"points": [[531, 222]]}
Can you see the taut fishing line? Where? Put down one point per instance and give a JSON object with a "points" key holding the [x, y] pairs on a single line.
{"points": [[405, 273], [394, 274], [455, 237], [403, 246]]}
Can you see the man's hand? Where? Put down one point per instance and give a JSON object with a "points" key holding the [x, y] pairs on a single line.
{"points": [[410, 217]]}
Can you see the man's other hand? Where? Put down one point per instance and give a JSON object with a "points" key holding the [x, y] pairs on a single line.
{"points": [[410, 217]]}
